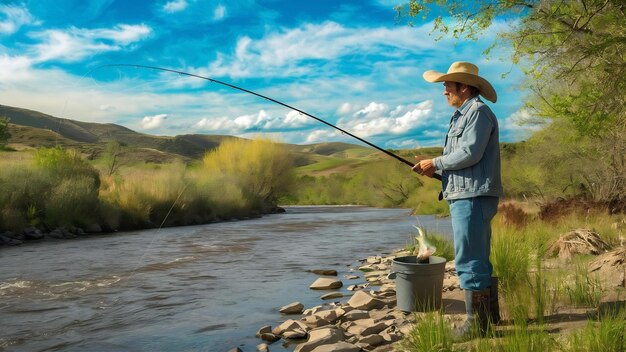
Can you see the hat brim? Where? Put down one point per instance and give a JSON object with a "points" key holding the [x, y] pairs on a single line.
{"points": [[484, 87]]}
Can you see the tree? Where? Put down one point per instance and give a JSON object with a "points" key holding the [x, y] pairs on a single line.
{"points": [[574, 56], [111, 157], [4, 131]]}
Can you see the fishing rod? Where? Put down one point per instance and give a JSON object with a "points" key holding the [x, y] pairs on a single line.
{"points": [[395, 156]]}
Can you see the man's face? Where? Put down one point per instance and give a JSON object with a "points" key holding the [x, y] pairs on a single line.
{"points": [[453, 93]]}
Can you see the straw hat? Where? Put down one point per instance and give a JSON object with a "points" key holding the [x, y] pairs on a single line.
{"points": [[466, 73]]}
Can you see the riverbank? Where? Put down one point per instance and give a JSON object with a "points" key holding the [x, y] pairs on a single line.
{"points": [[33, 234], [573, 292], [368, 319]]}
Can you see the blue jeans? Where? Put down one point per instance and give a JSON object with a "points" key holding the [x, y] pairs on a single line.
{"points": [[471, 227]]}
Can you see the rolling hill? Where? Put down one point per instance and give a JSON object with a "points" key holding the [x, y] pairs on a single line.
{"points": [[33, 129]]}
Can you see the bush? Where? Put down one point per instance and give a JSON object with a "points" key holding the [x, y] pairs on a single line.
{"points": [[261, 169]]}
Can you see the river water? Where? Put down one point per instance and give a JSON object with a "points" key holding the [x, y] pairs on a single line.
{"points": [[195, 288]]}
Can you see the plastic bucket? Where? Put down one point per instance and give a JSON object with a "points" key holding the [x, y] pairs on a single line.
{"points": [[418, 286]]}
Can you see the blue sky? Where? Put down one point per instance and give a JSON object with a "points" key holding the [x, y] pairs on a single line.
{"points": [[347, 62]]}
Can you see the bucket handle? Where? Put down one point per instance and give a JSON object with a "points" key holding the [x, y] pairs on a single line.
{"points": [[392, 275]]}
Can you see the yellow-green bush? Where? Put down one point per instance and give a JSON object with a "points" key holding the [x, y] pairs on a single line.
{"points": [[261, 169]]}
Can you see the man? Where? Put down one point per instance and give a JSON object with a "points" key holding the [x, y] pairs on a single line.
{"points": [[471, 184]]}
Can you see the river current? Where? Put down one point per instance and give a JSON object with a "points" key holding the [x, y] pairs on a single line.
{"points": [[195, 288]]}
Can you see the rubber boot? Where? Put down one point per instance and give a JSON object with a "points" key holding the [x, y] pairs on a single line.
{"points": [[477, 305], [494, 305]]}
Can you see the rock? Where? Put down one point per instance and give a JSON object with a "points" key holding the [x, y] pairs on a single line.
{"points": [[235, 349], [341, 346], [321, 336], [314, 321], [356, 314], [295, 334], [268, 336], [367, 268], [288, 326], [365, 327], [292, 308], [329, 272], [362, 300], [610, 267], [325, 284], [31, 233], [372, 340], [332, 295], [263, 347], [355, 287], [352, 277], [7, 241], [264, 330], [374, 260]]}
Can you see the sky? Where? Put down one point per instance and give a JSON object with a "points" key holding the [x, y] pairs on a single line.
{"points": [[349, 62]]}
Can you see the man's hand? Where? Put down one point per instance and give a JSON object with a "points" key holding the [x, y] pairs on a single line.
{"points": [[424, 167]]}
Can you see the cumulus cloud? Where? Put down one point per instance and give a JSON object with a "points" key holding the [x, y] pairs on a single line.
{"points": [[175, 6], [261, 121], [380, 119], [152, 122], [77, 43], [520, 125], [12, 18], [282, 52]]}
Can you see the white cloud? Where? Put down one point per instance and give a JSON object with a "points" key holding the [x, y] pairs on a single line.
{"points": [[219, 13], [15, 68], [261, 121], [520, 125], [12, 18], [380, 119], [321, 136], [152, 122], [77, 43], [282, 52], [175, 6]]}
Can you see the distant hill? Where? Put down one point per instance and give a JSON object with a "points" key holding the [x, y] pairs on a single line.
{"points": [[32, 129]]}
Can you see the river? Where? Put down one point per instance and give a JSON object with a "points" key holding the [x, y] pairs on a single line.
{"points": [[195, 288]]}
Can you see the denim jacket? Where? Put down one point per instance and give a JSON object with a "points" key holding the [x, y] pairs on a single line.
{"points": [[470, 164]]}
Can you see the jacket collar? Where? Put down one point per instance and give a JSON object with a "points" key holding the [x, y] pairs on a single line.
{"points": [[466, 105]]}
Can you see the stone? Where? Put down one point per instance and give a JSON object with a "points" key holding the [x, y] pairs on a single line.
{"points": [[356, 314], [355, 287], [363, 300], [263, 347], [329, 272], [295, 334], [367, 268], [374, 259], [325, 284], [321, 336], [264, 330], [31, 233], [332, 295], [341, 346], [268, 336], [287, 326], [292, 308], [372, 340], [235, 349], [314, 321], [352, 277], [365, 327]]}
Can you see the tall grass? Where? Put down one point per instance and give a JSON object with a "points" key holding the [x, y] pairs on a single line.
{"points": [[56, 187], [431, 333]]}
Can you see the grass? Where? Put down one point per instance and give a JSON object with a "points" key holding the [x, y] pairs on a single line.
{"points": [[534, 290]]}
